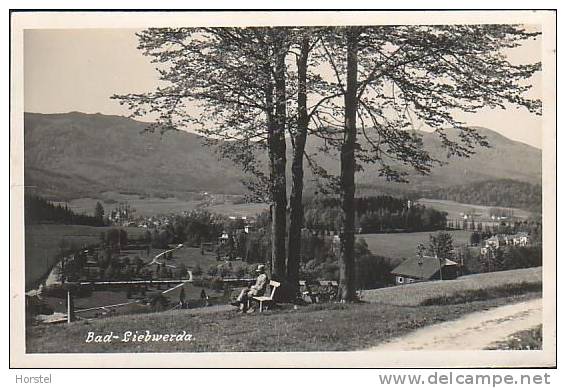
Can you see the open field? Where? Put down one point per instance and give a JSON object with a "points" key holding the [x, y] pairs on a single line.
{"points": [[322, 327], [145, 206], [454, 209], [403, 245], [152, 206], [238, 210], [190, 257], [42, 245], [224, 204], [416, 294]]}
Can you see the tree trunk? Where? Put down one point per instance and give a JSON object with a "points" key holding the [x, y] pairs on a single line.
{"points": [[277, 150], [347, 170], [297, 172]]}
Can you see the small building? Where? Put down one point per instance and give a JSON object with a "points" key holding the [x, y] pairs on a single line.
{"points": [[521, 239], [496, 241], [428, 268]]}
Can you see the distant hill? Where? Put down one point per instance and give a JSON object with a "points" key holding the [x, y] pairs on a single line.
{"points": [[76, 154], [504, 159]]}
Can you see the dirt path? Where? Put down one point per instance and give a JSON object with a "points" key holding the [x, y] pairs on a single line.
{"points": [[475, 331]]}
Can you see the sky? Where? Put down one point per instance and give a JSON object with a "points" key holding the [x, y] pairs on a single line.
{"points": [[69, 70]]}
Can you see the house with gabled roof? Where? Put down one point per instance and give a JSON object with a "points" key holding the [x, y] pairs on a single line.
{"points": [[417, 269], [521, 239]]}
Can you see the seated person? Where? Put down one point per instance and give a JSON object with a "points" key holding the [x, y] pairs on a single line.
{"points": [[258, 289]]}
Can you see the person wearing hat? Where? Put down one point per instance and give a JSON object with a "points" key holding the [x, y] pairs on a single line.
{"points": [[258, 289]]}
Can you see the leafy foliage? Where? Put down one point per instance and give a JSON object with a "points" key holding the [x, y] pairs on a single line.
{"points": [[512, 257], [500, 192], [38, 209], [374, 215], [385, 79], [441, 245]]}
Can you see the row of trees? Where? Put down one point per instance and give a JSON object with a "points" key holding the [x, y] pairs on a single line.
{"points": [[511, 257], [363, 204], [415, 219], [38, 209], [256, 85], [373, 215], [502, 259]]}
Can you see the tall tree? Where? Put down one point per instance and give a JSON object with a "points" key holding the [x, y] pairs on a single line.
{"points": [[417, 75], [441, 245], [296, 214], [308, 82], [348, 167], [278, 157], [99, 212], [229, 84], [305, 40], [405, 75]]}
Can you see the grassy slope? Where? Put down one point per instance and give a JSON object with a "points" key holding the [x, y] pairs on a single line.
{"points": [[416, 293], [191, 256], [42, 244], [322, 327], [455, 208], [325, 327], [402, 245]]}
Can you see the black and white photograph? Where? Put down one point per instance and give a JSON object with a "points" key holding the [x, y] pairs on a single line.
{"points": [[283, 188]]}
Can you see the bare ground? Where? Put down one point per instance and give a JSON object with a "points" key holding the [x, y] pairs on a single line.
{"points": [[474, 331]]}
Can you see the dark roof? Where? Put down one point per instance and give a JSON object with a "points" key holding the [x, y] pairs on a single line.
{"points": [[429, 267]]}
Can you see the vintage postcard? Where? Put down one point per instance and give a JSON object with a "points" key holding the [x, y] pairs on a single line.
{"points": [[283, 189]]}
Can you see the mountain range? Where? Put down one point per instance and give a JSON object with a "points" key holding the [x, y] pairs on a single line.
{"points": [[71, 155]]}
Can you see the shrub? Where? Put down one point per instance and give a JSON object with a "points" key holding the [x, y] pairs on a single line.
{"points": [[523, 340], [197, 270]]}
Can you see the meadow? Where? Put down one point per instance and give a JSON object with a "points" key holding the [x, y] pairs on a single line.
{"points": [[238, 210], [399, 246], [439, 292], [43, 245], [455, 209], [190, 257], [160, 205], [319, 327], [144, 205]]}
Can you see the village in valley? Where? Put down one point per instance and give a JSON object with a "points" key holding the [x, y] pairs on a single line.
{"points": [[198, 259], [290, 189]]}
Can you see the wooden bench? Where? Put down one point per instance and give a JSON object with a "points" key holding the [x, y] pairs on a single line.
{"points": [[267, 299]]}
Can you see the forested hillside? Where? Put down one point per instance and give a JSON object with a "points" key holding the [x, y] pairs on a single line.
{"points": [[500, 192]]}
